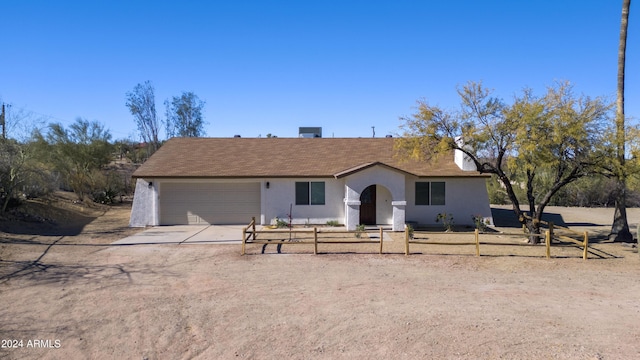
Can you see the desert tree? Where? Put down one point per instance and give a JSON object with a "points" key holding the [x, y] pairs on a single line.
{"points": [[21, 174], [77, 153], [184, 116], [12, 162], [142, 105], [552, 135]]}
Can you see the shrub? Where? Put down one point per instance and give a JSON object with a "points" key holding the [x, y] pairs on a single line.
{"points": [[105, 186], [281, 223], [447, 221], [480, 222], [410, 230]]}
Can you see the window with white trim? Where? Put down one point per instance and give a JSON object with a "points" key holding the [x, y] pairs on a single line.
{"points": [[430, 193], [310, 193]]}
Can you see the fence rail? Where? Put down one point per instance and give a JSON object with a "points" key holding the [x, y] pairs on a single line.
{"points": [[415, 237], [314, 237], [251, 236], [584, 236]]}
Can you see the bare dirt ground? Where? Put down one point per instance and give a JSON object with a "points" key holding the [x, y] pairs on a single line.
{"points": [[64, 286]]}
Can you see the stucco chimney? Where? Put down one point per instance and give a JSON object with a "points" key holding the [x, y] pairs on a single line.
{"points": [[463, 160]]}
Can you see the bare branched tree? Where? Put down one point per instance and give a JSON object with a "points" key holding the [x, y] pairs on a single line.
{"points": [[142, 105], [184, 116]]}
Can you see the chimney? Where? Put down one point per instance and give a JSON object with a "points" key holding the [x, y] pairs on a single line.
{"points": [[463, 160]]}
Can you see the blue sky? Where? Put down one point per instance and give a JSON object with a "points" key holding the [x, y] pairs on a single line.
{"points": [[273, 66]]}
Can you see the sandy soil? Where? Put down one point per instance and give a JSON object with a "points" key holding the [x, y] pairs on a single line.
{"points": [[81, 298]]}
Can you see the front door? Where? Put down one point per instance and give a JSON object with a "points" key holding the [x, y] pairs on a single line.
{"points": [[368, 206]]}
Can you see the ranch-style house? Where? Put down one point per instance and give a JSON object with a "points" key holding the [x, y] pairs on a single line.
{"points": [[350, 180]]}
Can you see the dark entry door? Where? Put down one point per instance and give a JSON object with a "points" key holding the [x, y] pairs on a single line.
{"points": [[368, 206]]}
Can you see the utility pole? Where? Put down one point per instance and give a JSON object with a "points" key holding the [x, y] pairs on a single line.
{"points": [[2, 122]]}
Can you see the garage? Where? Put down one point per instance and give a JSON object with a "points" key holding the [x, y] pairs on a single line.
{"points": [[208, 203]]}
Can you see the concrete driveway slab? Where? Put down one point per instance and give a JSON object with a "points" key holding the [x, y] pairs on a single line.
{"points": [[163, 235], [217, 234], [186, 234]]}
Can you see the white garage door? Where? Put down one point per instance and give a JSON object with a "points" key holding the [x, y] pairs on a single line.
{"points": [[209, 203]]}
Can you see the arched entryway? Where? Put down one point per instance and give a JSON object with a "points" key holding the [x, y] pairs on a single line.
{"points": [[368, 206], [384, 207]]}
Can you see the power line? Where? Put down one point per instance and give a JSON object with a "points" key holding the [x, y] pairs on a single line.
{"points": [[50, 117], [45, 115]]}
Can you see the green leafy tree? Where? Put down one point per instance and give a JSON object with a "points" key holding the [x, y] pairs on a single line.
{"points": [[76, 153], [184, 116], [554, 135], [142, 105]]}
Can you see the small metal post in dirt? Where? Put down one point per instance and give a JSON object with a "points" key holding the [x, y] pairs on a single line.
{"points": [[381, 240], [290, 221], [550, 238], [477, 242], [315, 241]]}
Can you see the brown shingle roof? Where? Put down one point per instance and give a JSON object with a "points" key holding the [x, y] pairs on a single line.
{"points": [[283, 157]]}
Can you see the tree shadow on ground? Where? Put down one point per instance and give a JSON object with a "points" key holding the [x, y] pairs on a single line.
{"points": [[68, 223], [507, 218], [42, 272]]}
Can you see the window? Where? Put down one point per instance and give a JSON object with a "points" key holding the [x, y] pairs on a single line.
{"points": [[422, 193], [437, 193], [302, 193], [317, 193], [310, 193], [430, 193]]}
